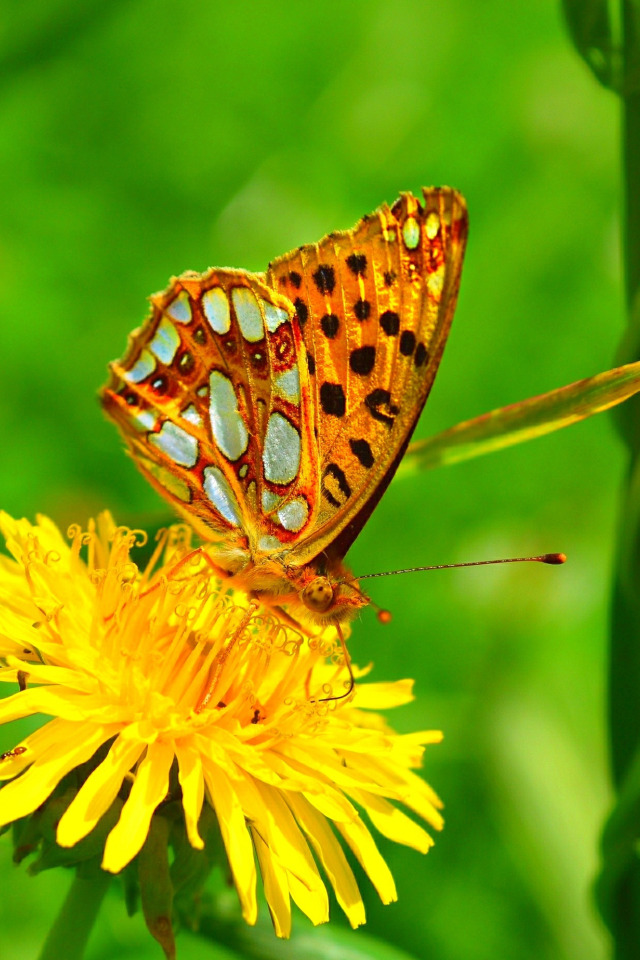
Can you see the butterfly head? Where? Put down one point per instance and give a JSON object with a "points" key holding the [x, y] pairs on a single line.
{"points": [[330, 596], [318, 595]]}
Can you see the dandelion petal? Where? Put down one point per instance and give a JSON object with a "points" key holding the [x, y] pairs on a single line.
{"points": [[192, 782], [149, 789], [24, 795], [331, 856], [393, 823], [235, 835], [97, 792], [276, 887], [370, 858]]}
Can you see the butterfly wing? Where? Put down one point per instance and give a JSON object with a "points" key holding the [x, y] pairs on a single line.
{"points": [[213, 398], [272, 411], [375, 305]]}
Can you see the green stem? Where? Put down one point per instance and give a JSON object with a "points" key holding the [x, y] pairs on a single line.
{"points": [[71, 929], [620, 887], [631, 148]]}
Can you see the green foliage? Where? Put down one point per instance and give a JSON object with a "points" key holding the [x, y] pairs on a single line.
{"points": [[145, 138], [592, 25], [526, 420]]}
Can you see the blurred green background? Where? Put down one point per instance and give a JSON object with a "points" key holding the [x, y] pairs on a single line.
{"points": [[142, 138]]}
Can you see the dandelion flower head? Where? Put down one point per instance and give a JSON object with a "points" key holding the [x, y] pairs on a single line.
{"points": [[161, 683]]}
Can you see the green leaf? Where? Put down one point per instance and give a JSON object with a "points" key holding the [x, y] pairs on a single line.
{"points": [[592, 29], [526, 420], [191, 868], [620, 844], [156, 889]]}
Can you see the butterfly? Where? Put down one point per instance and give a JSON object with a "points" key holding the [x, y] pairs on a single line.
{"points": [[272, 409]]}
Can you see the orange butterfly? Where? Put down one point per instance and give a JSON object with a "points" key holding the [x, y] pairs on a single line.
{"points": [[272, 410]]}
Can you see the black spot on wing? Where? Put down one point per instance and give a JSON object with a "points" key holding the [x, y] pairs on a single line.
{"points": [[362, 309], [357, 263], [389, 278], [302, 310], [390, 323], [381, 398], [362, 360], [330, 324], [407, 343], [362, 450], [311, 363], [421, 355], [295, 279], [334, 485], [332, 399], [325, 278]]}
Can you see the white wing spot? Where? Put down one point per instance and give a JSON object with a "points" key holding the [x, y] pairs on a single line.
{"points": [[281, 453], [216, 487], [144, 365], [287, 385], [180, 309], [248, 314], [145, 420], [411, 233], [273, 316], [293, 515], [192, 415], [227, 425], [165, 342], [178, 445], [432, 225], [216, 309]]}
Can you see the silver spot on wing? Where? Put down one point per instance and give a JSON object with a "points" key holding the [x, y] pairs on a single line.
{"points": [[178, 445], [216, 309], [248, 314], [228, 427], [165, 342], [281, 453], [216, 487]]}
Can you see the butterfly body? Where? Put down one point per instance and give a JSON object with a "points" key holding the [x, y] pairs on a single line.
{"points": [[272, 409]]}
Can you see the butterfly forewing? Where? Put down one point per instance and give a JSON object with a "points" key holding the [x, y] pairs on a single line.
{"points": [[213, 398], [375, 305]]}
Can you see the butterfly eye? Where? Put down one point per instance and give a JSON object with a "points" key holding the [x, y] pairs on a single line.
{"points": [[318, 595]]}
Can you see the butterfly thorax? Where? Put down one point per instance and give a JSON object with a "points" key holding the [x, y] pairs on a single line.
{"points": [[318, 593]]}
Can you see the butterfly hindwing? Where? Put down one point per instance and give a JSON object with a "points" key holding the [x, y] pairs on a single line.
{"points": [[375, 305], [213, 398]]}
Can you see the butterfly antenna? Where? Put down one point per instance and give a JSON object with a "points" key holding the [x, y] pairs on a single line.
{"points": [[347, 661], [552, 558]]}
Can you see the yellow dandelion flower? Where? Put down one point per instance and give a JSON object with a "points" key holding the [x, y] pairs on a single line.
{"points": [[164, 684]]}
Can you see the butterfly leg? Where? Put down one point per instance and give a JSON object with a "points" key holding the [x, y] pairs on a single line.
{"points": [[284, 616], [199, 552], [347, 661]]}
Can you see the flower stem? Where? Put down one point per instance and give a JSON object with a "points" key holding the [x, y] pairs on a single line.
{"points": [[71, 929], [619, 883]]}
